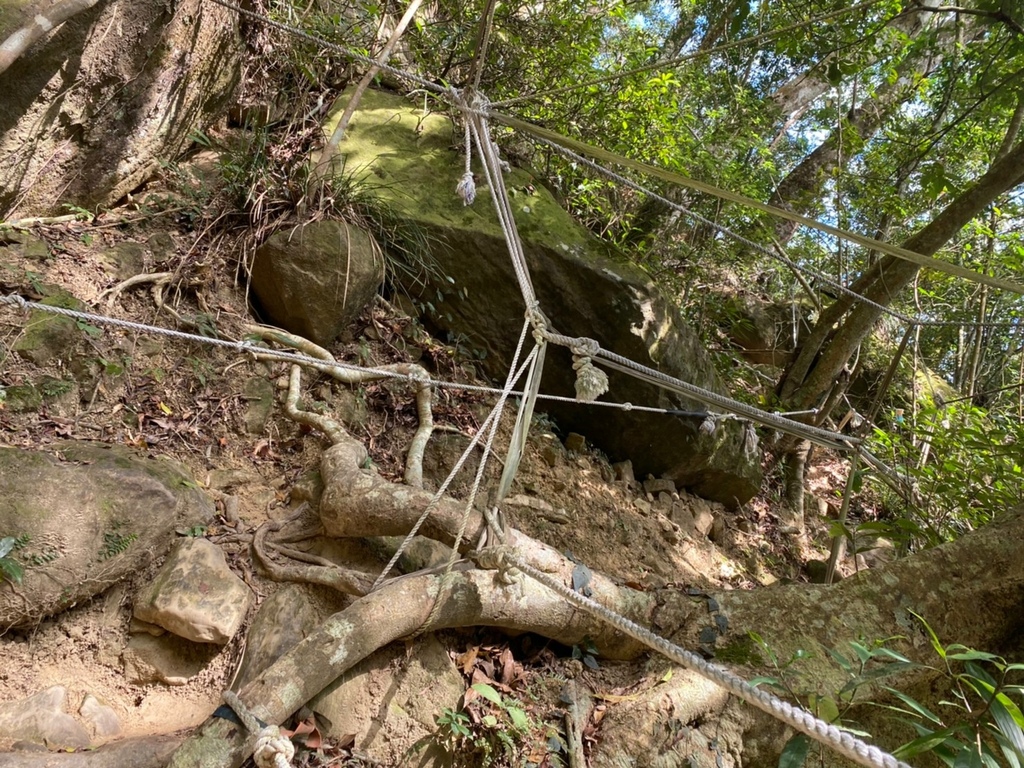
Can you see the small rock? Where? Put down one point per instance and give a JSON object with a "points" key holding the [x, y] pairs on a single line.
{"points": [[258, 393], [624, 472], [41, 719], [717, 533], [575, 442], [101, 718], [138, 627], [551, 455], [656, 485], [195, 595], [643, 505], [669, 530], [664, 500], [222, 479], [167, 659], [683, 517], [351, 409], [703, 522], [124, 260]]}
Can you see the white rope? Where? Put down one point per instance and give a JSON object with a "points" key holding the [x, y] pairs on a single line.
{"points": [[272, 749], [845, 743], [466, 188], [489, 427]]}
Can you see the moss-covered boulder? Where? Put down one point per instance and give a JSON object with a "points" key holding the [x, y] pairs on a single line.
{"points": [[83, 517], [584, 287]]}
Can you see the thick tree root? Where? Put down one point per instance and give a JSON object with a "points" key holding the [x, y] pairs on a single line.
{"points": [[398, 609]]}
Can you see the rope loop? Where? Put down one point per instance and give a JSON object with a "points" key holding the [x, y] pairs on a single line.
{"points": [[707, 427], [16, 299], [273, 749]]}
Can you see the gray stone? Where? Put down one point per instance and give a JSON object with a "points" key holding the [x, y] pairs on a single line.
{"points": [[166, 659], [398, 692], [93, 514], [663, 500], [258, 393], [223, 479], [195, 595], [284, 618], [22, 398], [683, 517], [575, 442], [624, 472], [125, 260], [656, 485], [101, 718], [41, 719], [703, 520], [315, 279], [351, 409], [585, 287], [47, 336]]}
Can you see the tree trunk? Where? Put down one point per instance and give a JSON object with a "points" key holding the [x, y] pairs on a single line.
{"points": [[828, 348]]}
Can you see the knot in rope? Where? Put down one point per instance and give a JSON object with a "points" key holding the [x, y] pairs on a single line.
{"points": [[466, 188], [273, 749], [707, 427], [591, 382], [15, 299], [538, 322]]}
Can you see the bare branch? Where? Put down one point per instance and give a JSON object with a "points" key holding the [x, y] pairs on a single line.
{"points": [[42, 22]]}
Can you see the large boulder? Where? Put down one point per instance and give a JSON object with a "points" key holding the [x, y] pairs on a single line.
{"points": [[584, 287], [315, 279], [91, 111], [85, 516]]}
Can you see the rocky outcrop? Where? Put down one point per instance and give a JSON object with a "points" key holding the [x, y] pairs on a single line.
{"points": [[85, 516], [315, 279], [584, 287], [91, 110]]}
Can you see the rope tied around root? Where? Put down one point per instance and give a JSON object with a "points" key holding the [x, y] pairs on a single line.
{"points": [[273, 749]]}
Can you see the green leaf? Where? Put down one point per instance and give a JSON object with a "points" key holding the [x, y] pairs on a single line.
{"points": [[490, 721], [487, 692], [519, 719], [1008, 723], [968, 757], [828, 710], [916, 707], [795, 752], [932, 636], [12, 570], [763, 680], [924, 743]]}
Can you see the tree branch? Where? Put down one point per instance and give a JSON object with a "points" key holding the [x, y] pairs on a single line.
{"points": [[42, 22]]}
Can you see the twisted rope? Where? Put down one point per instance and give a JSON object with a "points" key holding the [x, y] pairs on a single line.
{"points": [[273, 749], [842, 742]]}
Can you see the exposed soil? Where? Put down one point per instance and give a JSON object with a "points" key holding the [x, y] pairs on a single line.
{"points": [[190, 401]]}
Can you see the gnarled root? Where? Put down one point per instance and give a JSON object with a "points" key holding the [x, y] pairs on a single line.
{"points": [[348, 375]]}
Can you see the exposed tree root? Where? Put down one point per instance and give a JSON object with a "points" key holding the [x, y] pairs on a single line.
{"points": [[158, 279], [424, 394]]}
